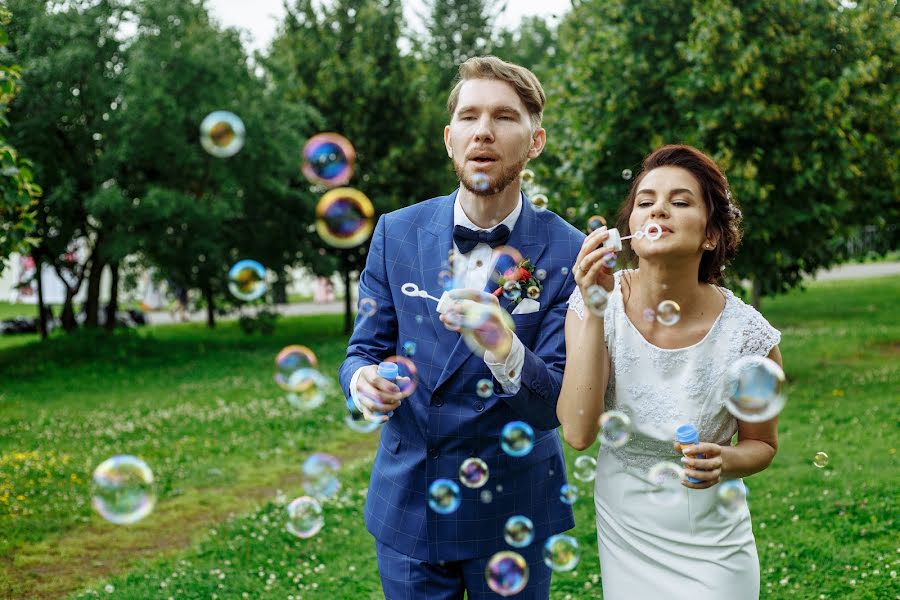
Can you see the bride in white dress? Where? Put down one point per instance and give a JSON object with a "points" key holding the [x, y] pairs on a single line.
{"points": [[664, 376]]}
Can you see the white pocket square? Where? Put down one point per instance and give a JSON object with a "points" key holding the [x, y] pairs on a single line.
{"points": [[527, 306]]}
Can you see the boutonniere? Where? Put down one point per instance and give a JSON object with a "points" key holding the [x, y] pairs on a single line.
{"points": [[519, 282]]}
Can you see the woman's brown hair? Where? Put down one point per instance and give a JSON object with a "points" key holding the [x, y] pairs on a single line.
{"points": [[723, 217]]}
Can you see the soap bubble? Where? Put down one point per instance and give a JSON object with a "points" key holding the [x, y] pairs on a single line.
{"points": [[649, 315], [367, 307], [506, 573], [122, 491], [820, 460], [344, 217], [731, 497], [486, 496], [407, 374], [511, 290], [540, 202], [320, 475], [409, 348], [571, 212], [328, 160], [610, 261], [540, 274], [595, 222], [561, 552], [568, 493], [626, 174], [360, 425], [304, 517], [597, 297], [445, 280], [564, 271], [534, 292], [247, 280], [505, 261], [480, 181], [443, 496], [222, 134], [668, 312], [306, 389], [517, 438], [527, 176], [291, 359], [485, 388], [483, 325], [753, 389], [518, 531], [665, 483], [585, 468], [615, 429], [473, 473]]}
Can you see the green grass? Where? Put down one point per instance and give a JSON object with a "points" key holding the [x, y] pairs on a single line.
{"points": [[200, 407]]}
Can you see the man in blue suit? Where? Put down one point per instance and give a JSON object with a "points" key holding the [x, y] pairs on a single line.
{"points": [[495, 129]]}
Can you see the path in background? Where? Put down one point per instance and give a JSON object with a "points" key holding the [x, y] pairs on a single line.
{"points": [[859, 271]]}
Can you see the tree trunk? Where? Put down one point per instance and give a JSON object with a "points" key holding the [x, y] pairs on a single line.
{"points": [[210, 306], [113, 307], [279, 289], [348, 299], [67, 318], [756, 293], [92, 303], [42, 311]]}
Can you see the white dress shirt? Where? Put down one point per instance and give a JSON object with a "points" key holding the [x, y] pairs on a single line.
{"points": [[472, 271]]}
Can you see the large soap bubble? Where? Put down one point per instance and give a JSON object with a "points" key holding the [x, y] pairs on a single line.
{"points": [[247, 280], [561, 552], [506, 573], [122, 489], [222, 134], [328, 159], [304, 517], [344, 217], [753, 389]]}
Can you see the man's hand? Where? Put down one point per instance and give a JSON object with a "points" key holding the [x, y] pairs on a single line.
{"points": [[479, 314], [378, 395]]}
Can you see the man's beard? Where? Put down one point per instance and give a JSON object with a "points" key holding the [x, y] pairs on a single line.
{"points": [[490, 186]]}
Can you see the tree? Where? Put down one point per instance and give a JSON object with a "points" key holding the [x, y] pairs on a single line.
{"points": [[796, 101]]}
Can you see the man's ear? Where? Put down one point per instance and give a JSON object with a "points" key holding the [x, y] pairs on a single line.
{"points": [[538, 141], [447, 141]]}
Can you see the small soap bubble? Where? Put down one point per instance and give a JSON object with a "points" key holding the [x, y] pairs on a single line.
{"points": [[486, 496], [480, 182], [109, 588], [534, 292], [570, 212], [328, 160], [304, 517], [615, 429], [222, 134], [291, 359], [247, 280], [568, 493], [585, 468], [506, 573], [485, 388], [344, 217], [443, 496], [649, 315], [595, 222], [665, 483], [367, 307], [122, 490], [597, 297], [409, 348], [540, 202], [407, 374], [561, 553], [820, 460], [518, 531], [420, 319], [540, 274], [320, 475], [306, 389], [731, 497], [754, 389], [527, 176], [473, 473], [668, 312], [610, 261], [517, 438], [626, 174], [445, 280], [511, 290], [564, 270]]}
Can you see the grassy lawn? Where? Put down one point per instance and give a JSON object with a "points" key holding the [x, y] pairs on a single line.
{"points": [[200, 407]]}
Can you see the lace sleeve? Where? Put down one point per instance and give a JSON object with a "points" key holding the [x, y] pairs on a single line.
{"points": [[759, 337], [576, 303]]}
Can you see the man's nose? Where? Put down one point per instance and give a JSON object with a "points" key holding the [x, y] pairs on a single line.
{"points": [[483, 132]]}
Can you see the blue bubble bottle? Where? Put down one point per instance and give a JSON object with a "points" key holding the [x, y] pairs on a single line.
{"points": [[687, 435], [389, 371]]}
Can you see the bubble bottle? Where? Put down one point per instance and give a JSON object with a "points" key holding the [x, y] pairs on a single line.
{"points": [[687, 435], [389, 371]]}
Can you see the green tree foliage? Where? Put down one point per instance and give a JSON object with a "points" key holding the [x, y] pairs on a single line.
{"points": [[796, 101]]}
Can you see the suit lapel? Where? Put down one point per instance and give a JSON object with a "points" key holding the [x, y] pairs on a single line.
{"points": [[435, 240]]}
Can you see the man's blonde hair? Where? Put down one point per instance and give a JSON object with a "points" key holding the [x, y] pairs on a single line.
{"points": [[527, 86]]}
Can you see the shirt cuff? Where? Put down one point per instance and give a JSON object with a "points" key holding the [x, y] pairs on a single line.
{"points": [[353, 392], [508, 374]]}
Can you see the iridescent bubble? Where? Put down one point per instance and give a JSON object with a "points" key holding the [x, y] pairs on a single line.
{"points": [[615, 429], [665, 483], [731, 497], [407, 374], [527, 176], [595, 222], [328, 160], [473, 472], [483, 326], [320, 475], [485, 388], [518, 531], [344, 217], [222, 134], [534, 292], [564, 271], [668, 312], [122, 490], [304, 517], [753, 389], [626, 174], [445, 280], [649, 315], [506, 573], [570, 212], [486, 496], [443, 496], [511, 290], [409, 348], [585, 468], [561, 552], [610, 261], [517, 438], [505, 266], [597, 298], [360, 425], [540, 202], [290, 359], [568, 493], [541, 274], [820, 460], [306, 389], [247, 280], [367, 307], [480, 182]]}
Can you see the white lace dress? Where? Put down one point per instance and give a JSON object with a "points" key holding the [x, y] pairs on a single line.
{"points": [[685, 549]]}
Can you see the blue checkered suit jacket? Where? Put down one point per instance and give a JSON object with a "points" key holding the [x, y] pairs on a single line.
{"points": [[445, 421]]}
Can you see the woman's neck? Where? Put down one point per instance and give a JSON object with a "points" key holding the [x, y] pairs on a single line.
{"points": [[655, 282]]}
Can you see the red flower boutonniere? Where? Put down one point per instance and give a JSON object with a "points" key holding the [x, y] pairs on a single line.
{"points": [[519, 282]]}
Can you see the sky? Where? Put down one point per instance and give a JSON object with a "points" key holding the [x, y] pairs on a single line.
{"points": [[260, 17]]}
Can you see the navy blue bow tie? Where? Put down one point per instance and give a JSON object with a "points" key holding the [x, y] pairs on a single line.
{"points": [[466, 238]]}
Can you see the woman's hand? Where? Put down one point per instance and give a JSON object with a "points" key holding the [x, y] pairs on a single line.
{"points": [[707, 469], [590, 264]]}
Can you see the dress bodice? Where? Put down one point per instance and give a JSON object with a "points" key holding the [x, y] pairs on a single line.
{"points": [[661, 389]]}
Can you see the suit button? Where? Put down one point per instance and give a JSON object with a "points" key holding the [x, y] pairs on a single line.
{"points": [[433, 453], [479, 407]]}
